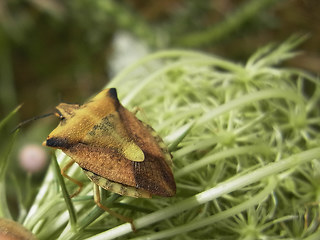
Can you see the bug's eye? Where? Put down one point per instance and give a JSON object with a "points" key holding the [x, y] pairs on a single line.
{"points": [[59, 115]]}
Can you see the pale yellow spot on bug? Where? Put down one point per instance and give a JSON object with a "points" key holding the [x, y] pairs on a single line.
{"points": [[116, 188], [102, 182], [133, 153], [123, 191]]}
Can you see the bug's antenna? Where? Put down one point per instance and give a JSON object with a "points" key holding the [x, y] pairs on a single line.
{"points": [[32, 119]]}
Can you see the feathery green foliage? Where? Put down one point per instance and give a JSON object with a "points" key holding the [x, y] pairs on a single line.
{"points": [[245, 146]]}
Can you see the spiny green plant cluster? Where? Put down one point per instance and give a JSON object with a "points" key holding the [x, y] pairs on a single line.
{"points": [[245, 146]]}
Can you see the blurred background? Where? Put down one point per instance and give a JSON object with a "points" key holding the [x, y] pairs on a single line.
{"points": [[56, 51]]}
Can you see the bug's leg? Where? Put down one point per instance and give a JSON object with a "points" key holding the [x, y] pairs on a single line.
{"points": [[135, 110], [63, 173], [97, 200]]}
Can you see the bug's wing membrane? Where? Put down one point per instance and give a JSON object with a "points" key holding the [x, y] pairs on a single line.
{"points": [[154, 173], [154, 176]]}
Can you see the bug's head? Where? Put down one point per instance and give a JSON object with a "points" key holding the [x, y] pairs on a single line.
{"points": [[66, 111]]}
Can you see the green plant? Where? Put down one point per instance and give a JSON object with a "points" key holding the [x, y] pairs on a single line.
{"points": [[245, 145]]}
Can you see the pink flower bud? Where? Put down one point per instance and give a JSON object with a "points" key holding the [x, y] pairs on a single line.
{"points": [[32, 158]]}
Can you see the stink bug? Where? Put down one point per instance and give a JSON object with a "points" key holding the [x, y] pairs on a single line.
{"points": [[116, 150]]}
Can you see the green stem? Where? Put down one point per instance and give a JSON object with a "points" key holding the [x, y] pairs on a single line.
{"points": [[66, 196], [9, 117], [4, 161]]}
